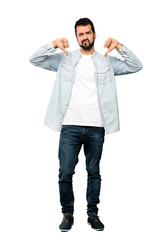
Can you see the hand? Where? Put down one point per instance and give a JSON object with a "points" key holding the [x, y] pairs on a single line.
{"points": [[111, 43], [61, 43]]}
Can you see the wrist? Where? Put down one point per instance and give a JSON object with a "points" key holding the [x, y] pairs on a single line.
{"points": [[118, 46], [54, 44]]}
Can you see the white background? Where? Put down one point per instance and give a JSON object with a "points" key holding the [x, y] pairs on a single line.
{"points": [[130, 168]]}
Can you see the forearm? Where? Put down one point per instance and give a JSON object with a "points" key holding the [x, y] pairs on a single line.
{"points": [[130, 64], [46, 57], [42, 53]]}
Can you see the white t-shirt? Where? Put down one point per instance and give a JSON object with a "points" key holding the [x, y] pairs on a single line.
{"points": [[83, 108]]}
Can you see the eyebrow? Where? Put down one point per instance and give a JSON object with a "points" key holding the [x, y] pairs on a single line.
{"points": [[85, 32]]}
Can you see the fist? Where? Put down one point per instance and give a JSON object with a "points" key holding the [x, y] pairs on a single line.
{"points": [[61, 43], [110, 43]]}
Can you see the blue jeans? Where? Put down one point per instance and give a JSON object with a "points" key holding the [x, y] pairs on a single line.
{"points": [[71, 139]]}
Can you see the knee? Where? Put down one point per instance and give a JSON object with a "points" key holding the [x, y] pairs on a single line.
{"points": [[65, 176], [93, 172]]}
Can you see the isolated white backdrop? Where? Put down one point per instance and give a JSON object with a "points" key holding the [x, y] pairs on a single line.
{"points": [[29, 201]]}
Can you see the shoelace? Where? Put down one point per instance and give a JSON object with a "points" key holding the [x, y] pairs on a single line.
{"points": [[95, 217], [67, 217]]}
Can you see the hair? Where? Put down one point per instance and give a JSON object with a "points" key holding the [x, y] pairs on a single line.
{"points": [[84, 22]]}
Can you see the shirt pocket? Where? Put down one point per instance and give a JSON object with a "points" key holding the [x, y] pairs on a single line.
{"points": [[66, 72], [103, 74]]}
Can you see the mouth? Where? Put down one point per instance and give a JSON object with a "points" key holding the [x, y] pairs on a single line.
{"points": [[85, 41]]}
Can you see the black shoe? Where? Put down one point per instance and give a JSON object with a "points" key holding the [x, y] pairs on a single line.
{"points": [[67, 222], [94, 221]]}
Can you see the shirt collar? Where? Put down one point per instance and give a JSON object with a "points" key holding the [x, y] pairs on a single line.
{"points": [[77, 56]]}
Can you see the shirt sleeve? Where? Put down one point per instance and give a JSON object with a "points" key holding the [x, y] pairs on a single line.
{"points": [[130, 64], [46, 57]]}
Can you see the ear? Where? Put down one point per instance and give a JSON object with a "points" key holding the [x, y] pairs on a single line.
{"points": [[95, 35]]}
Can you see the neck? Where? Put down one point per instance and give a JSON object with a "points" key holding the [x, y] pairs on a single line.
{"points": [[87, 52]]}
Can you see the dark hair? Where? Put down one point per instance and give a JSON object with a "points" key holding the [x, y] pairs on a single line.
{"points": [[84, 22]]}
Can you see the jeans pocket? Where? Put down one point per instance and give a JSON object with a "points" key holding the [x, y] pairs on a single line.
{"points": [[66, 126], [99, 129]]}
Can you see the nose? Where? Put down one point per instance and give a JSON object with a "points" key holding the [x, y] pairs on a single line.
{"points": [[84, 36]]}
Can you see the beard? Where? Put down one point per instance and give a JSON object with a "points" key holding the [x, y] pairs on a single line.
{"points": [[85, 46]]}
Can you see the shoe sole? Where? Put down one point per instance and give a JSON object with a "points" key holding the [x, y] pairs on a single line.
{"points": [[97, 229], [66, 230]]}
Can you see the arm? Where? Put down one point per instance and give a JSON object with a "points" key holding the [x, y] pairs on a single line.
{"points": [[130, 64], [46, 56]]}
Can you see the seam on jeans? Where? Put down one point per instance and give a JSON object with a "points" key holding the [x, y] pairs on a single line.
{"points": [[76, 156]]}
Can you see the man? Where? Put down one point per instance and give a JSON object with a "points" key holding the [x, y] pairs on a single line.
{"points": [[83, 107]]}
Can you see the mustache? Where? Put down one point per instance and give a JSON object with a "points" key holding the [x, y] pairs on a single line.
{"points": [[85, 40]]}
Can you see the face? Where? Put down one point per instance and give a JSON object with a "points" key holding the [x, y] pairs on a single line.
{"points": [[85, 37]]}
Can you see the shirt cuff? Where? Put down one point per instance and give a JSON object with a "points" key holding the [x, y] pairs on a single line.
{"points": [[123, 50]]}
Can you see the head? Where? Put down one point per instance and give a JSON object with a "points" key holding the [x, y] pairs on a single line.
{"points": [[85, 33]]}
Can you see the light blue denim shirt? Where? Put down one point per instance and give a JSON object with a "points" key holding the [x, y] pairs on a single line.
{"points": [[106, 68]]}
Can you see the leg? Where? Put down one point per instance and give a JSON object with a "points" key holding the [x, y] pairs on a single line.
{"points": [[69, 148], [93, 145]]}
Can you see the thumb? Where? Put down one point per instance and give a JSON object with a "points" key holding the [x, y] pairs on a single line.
{"points": [[106, 53], [64, 50]]}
